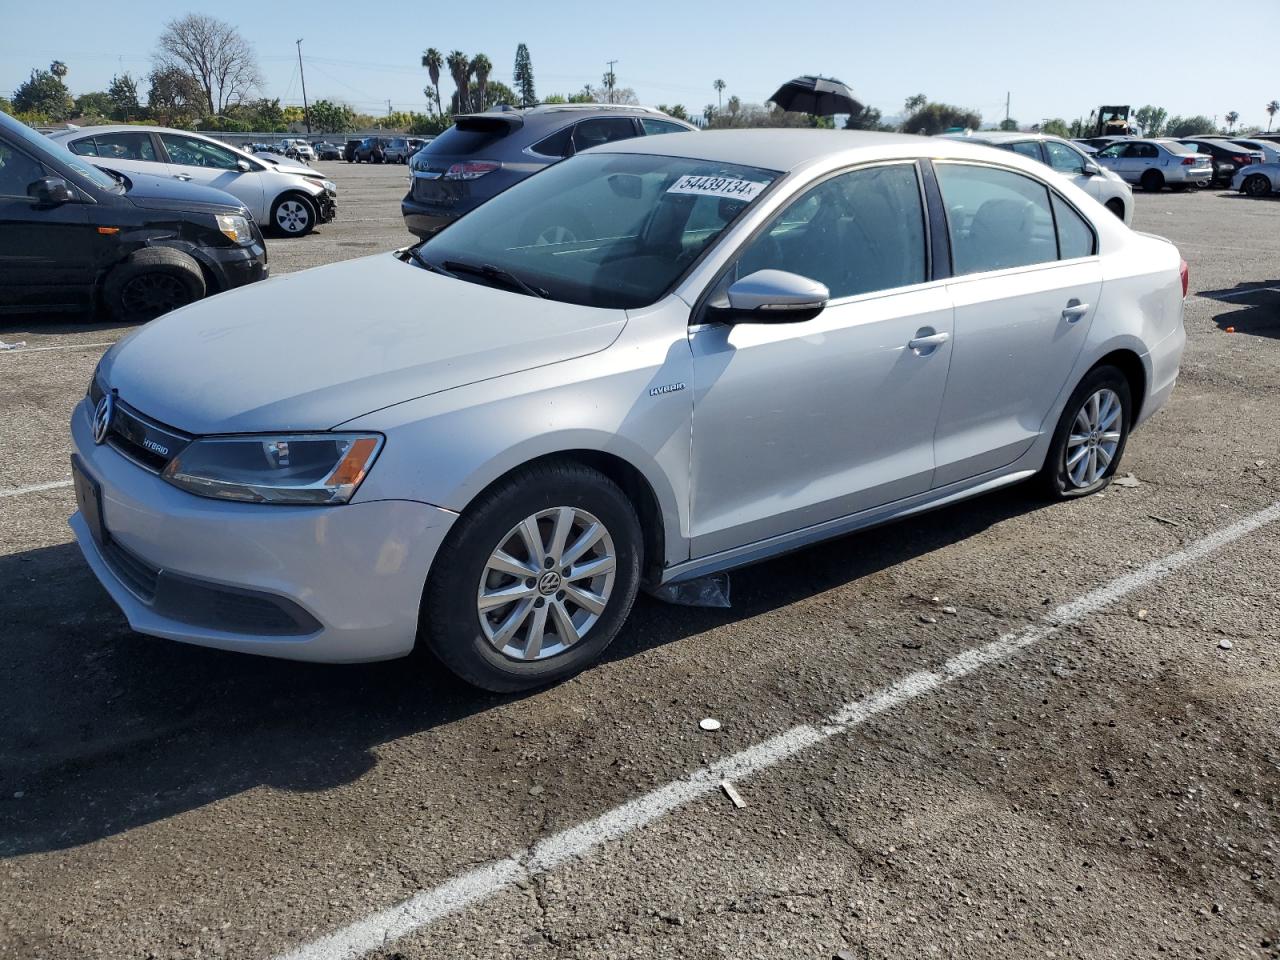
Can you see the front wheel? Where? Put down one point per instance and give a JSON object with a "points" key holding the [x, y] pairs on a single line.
{"points": [[152, 282], [1091, 435], [293, 215], [1256, 185], [535, 579]]}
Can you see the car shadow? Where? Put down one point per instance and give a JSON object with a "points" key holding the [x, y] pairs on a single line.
{"points": [[103, 730], [1253, 308]]}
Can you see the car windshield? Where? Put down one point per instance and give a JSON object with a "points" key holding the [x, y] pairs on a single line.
{"points": [[601, 229]]}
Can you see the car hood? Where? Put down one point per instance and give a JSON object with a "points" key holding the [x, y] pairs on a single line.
{"points": [[285, 164], [154, 193], [314, 349]]}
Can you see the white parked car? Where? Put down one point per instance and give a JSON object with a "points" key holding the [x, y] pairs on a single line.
{"points": [[1257, 180], [1069, 159], [762, 339], [1269, 149], [282, 194], [1154, 164], [298, 149]]}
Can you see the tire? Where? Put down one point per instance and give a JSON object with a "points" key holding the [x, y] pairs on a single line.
{"points": [[151, 282], [1179, 187], [1152, 181], [293, 215], [1116, 207], [468, 641], [1062, 480], [1256, 185]]}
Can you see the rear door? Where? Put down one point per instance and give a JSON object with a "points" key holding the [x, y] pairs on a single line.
{"points": [[1027, 282], [132, 152]]}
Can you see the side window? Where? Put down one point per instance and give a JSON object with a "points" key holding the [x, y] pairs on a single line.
{"points": [[17, 171], [1075, 236], [1142, 151], [85, 147], [1028, 148], [997, 218], [124, 146], [556, 145], [592, 133], [1062, 158], [652, 127], [1113, 151], [191, 152], [858, 232]]}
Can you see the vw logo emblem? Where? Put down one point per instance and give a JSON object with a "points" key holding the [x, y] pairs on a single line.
{"points": [[549, 583], [102, 418]]}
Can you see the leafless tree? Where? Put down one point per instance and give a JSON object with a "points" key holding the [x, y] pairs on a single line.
{"points": [[214, 54]]}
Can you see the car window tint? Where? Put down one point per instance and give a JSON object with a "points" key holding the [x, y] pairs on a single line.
{"points": [[1075, 236], [556, 145], [857, 233], [17, 172], [652, 127], [598, 130], [1113, 151], [85, 147], [1062, 158], [1142, 151], [997, 218], [124, 146], [1028, 148], [191, 152]]}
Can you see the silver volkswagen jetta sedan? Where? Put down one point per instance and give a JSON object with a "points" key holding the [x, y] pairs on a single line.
{"points": [[769, 338]]}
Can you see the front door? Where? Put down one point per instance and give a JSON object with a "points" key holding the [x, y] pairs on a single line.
{"points": [[795, 424], [1026, 287], [199, 161]]}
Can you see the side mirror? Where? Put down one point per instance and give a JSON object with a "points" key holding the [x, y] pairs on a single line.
{"points": [[773, 296], [243, 166], [1090, 169], [51, 191]]}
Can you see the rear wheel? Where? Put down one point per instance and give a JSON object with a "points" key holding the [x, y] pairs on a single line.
{"points": [[1181, 187], [1091, 436], [152, 282], [1152, 181], [535, 579], [1256, 185]]}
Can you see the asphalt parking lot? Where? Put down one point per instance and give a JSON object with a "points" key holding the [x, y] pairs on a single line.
{"points": [[1003, 729]]}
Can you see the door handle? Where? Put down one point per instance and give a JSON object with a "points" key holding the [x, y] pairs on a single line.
{"points": [[1074, 310], [928, 341]]}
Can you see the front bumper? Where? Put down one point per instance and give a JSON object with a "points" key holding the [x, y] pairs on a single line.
{"points": [[333, 584], [237, 266], [326, 206]]}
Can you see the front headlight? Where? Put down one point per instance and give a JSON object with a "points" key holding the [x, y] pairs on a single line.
{"points": [[235, 228], [315, 468]]}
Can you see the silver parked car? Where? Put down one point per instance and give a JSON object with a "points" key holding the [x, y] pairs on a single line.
{"points": [[765, 339], [1257, 180], [281, 193], [1157, 163], [1069, 159]]}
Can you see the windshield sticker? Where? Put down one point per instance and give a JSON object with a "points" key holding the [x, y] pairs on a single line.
{"points": [[727, 187]]}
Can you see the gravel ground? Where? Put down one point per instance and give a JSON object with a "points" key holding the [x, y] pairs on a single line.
{"points": [[1112, 791]]}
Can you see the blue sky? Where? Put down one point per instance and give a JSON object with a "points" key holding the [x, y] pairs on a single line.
{"points": [[1054, 61]]}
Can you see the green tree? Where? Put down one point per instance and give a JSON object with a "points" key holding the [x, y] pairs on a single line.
{"points": [[6, 106], [434, 62], [1056, 127], [522, 77], [43, 95], [1179, 127], [94, 104], [58, 69], [914, 103], [481, 67], [676, 110], [428, 125], [460, 69], [330, 117], [1008, 123], [123, 92], [868, 118], [933, 118], [1232, 119], [1272, 109], [176, 98], [1151, 119], [719, 86]]}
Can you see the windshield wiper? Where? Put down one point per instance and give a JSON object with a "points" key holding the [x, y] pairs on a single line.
{"points": [[489, 272], [426, 264]]}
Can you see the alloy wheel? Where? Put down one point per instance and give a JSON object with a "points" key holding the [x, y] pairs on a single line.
{"points": [[152, 294], [1094, 438], [292, 216], [546, 584]]}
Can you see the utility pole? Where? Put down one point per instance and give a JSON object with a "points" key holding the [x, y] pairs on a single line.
{"points": [[306, 110], [609, 79], [1006, 105]]}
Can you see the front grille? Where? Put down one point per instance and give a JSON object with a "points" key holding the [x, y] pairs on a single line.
{"points": [[146, 442]]}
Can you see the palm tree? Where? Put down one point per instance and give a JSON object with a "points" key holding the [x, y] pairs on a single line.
{"points": [[1272, 108], [432, 60], [460, 69], [1231, 119], [58, 69], [481, 67], [719, 88]]}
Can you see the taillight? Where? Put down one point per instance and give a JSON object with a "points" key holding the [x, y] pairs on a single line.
{"points": [[1242, 161], [471, 170], [1190, 161], [1185, 273]]}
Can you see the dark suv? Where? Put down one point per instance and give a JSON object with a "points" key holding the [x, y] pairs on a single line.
{"points": [[372, 150], [72, 235], [484, 153]]}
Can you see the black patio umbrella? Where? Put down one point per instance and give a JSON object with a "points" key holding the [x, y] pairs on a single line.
{"points": [[820, 96]]}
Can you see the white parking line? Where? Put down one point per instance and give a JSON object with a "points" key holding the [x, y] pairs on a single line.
{"points": [[1238, 293], [429, 906], [19, 491], [64, 346]]}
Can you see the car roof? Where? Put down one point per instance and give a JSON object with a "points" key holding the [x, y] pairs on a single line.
{"points": [[999, 136], [121, 128], [789, 149]]}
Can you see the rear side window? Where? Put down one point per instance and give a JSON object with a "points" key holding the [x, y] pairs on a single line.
{"points": [[652, 127], [997, 219], [594, 132], [1075, 236], [556, 145], [117, 146], [459, 141], [1142, 151], [1028, 148]]}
